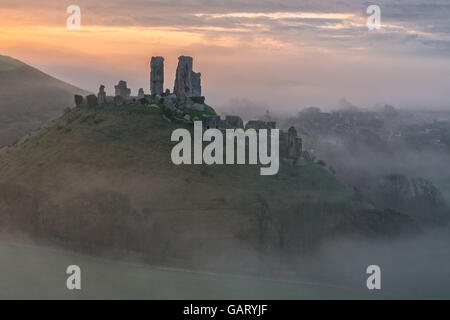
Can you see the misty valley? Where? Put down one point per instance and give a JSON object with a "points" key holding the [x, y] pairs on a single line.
{"points": [[118, 196], [226, 150]]}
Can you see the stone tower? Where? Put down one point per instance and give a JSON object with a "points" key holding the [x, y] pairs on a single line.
{"points": [[196, 84], [157, 75], [122, 90], [183, 78], [187, 82], [101, 96], [122, 93], [141, 93]]}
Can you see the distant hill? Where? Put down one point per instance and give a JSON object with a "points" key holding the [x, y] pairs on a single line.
{"points": [[101, 180], [29, 98]]}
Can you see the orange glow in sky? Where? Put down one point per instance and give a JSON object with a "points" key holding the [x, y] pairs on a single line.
{"points": [[291, 57]]}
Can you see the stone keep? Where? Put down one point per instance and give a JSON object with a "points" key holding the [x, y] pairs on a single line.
{"points": [[187, 82], [141, 94], [183, 78], [101, 96], [157, 75], [122, 90]]}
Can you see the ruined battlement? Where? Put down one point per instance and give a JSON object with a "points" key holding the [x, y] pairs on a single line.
{"points": [[157, 75], [187, 88], [186, 104]]}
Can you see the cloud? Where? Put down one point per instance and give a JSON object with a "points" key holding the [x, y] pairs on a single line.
{"points": [[285, 20], [316, 50]]}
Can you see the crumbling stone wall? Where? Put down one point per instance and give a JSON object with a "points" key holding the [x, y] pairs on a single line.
{"points": [[187, 82], [157, 75], [141, 94], [183, 78], [101, 96], [122, 90], [196, 84]]}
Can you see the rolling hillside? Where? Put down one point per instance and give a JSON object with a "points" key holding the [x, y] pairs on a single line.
{"points": [[29, 98], [101, 181]]}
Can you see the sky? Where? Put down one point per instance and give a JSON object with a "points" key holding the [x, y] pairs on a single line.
{"points": [[285, 55]]}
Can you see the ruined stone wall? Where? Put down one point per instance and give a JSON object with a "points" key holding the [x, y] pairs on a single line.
{"points": [[157, 75], [122, 90], [141, 93], [196, 84], [187, 82], [101, 96], [183, 79]]}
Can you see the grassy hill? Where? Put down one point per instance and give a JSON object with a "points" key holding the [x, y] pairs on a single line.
{"points": [[29, 98], [101, 180]]}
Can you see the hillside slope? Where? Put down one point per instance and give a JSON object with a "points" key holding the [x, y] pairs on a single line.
{"points": [[101, 180], [29, 98]]}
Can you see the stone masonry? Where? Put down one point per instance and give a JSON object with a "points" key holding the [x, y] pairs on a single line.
{"points": [[122, 90], [157, 75], [196, 84], [187, 82], [101, 96]]}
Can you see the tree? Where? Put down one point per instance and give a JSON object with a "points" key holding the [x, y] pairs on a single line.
{"points": [[78, 100], [92, 101]]}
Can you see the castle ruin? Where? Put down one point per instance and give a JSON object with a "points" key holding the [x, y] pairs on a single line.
{"points": [[187, 82], [196, 84], [157, 76], [141, 94], [186, 104], [101, 96], [122, 90], [187, 88]]}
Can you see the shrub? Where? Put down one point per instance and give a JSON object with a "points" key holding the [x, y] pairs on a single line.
{"points": [[92, 101], [78, 100]]}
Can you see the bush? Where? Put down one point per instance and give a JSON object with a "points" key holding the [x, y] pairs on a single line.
{"points": [[144, 101], [92, 101], [78, 100]]}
